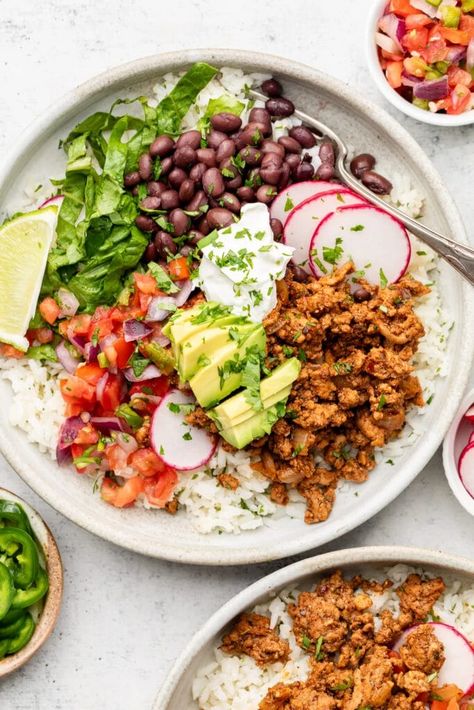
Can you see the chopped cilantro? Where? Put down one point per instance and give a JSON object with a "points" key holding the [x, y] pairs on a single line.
{"points": [[342, 368], [357, 228], [382, 402], [187, 436], [162, 279], [203, 360], [288, 204], [138, 364], [318, 654], [430, 399], [287, 351], [383, 279], [332, 256], [305, 642]]}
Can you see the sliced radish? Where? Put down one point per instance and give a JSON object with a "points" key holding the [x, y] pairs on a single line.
{"points": [[294, 195], [471, 438], [458, 668], [466, 467], [177, 443], [303, 220], [470, 414], [56, 200], [376, 242]]}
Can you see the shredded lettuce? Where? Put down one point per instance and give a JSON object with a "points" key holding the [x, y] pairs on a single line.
{"points": [[224, 104]]}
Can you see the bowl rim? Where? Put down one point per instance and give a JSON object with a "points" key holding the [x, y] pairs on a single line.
{"points": [[449, 461], [50, 613], [271, 583], [434, 119], [138, 70]]}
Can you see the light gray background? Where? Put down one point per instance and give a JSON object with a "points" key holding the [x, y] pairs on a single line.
{"points": [[125, 618]]}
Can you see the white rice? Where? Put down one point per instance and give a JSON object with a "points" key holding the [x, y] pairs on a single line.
{"points": [[37, 407], [237, 683]]}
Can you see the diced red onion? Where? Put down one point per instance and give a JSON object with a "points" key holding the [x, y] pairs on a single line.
{"points": [[107, 341], [470, 55], [56, 200], [386, 43], [110, 424], [100, 386], [67, 360], [432, 90], [68, 302], [456, 54], [91, 352], [410, 80], [186, 289], [161, 339], [393, 27], [127, 442], [134, 329], [424, 6], [70, 428], [78, 341], [160, 308], [148, 373], [151, 398]]}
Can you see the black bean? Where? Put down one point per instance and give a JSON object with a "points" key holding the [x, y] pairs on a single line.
{"points": [[191, 139], [285, 176], [291, 145], [213, 182], [145, 166], [280, 107], [155, 188], [234, 183], [246, 194], [307, 158], [176, 177], [326, 151], [303, 135], [304, 171], [269, 146], [166, 165], [230, 201], [219, 217], [207, 156], [164, 244], [361, 163], [150, 203], [197, 171], [293, 161], [199, 200], [228, 170], [251, 134], [145, 223], [299, 274], [186, 250], [361, 294], [186, 190], [150, 252], [271, 160], [272, 87], [184, 156], [253, 178], [161, 146], [226, 150], [377, 183], [169, 199], [325, 171], [204, 226], [271, 174], [261, 115], [277, 227], [252, 156], [266, 194], [180, 221], [215, 138], [195, 236], [132, 179], [226, 122]]}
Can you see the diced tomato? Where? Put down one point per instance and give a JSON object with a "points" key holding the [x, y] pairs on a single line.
{"points": [[415, 66], [467, 25], [446, 693], [455, 36], [80, 324], [402, 8], [413, 22], [388, 56], [122, 496], [461, 100], [111, 395], [394, 74], [91, 373], [435, 51], [144, 300], [146, 283], [41, 335], [158, 489], [87, 435], [76, 388], [456, 75], [415, 40], [146, 462], [74, 408], [158, 387], [100, 324], [49, 310], [124, 352], [77, 450], [423, 697], [116, 457], [10, 351], [179, 268]]}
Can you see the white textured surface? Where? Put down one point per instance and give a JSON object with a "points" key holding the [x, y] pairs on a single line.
{"points": [[125, 618]]}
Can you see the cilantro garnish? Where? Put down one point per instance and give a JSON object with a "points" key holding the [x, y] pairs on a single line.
{"points": [[162, 279]]}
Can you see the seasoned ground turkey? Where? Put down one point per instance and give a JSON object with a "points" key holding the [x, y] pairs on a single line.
{"points": [[350, 667]]}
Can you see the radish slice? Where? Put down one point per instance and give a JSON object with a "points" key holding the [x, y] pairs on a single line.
{"points": [[302, 221], [470, 414], [56, 200], [471, 438], [295, 194], [466, 467], [376, 242], [458, 668], [177, 443]]}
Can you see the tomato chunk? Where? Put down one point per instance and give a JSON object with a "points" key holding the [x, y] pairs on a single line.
{"points": [[394, 74], [111, 394], [158, 489], [146, 462], [179, 269], [91, 373], [121, 496], [49, 310]]}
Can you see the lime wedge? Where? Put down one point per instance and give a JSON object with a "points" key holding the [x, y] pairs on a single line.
{"points": [[24, 247]]}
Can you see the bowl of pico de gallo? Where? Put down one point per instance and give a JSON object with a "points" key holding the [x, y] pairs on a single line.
{"points": [[421, 57]]}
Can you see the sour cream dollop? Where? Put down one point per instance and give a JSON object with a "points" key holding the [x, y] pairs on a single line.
{"points": [[242, 262]]}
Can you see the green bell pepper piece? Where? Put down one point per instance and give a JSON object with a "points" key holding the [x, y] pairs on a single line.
{"points": [[26, 597], [160, 356], [24, 634], [4, 644], [7, 632], [12, 514], [7, 590], [19, 553], [12, 616], [451, 16], [131, 417], [467, 5]]}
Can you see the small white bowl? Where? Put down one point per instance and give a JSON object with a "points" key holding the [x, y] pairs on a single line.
{"points": [[454, 442], [419, 114]]}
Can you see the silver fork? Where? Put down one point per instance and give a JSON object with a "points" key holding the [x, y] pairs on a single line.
{"points": [[460, 256]]}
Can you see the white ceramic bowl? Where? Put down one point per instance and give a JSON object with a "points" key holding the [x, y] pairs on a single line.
{"points": [[176, 693], [361, 124], [435, 119], [454, 442]]}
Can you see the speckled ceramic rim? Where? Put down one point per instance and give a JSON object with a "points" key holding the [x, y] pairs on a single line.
{"points": [[151, 67], [449, 462], [293, 574], [435, 119], [49, 616]]}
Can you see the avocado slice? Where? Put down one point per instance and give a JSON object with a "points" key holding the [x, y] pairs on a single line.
{"points": [[273, 389], [201, 348], [215, 381], [189, 321], [256, 426]]}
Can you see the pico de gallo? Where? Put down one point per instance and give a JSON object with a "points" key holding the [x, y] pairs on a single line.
{"points": [[426, 50]]}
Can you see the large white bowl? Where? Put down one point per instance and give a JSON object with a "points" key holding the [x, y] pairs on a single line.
{"points": [[176, 693], [361, 124]]}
